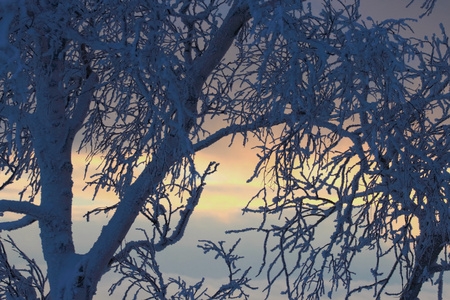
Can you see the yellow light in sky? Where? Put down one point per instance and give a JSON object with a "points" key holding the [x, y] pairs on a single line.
{"points": [[226, 190]]}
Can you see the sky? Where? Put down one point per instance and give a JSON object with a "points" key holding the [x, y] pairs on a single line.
{"points": [[226, 191]]}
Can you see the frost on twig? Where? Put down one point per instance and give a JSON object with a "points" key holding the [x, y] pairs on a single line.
{"points": [[143, 273], [351, 119], [20, 283], [238, 280]]}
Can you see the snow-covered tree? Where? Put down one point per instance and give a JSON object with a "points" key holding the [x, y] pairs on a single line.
{"points": [[339, 106], [370, 158]]}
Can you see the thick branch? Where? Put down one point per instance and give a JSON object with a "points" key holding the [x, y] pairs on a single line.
{"points": [[8, 111], [439, 268], [180, 227], [176, 235], [136, 194], [261, 122], [6, 8], [112, 235], [427, 251], [86, 94], [19, 207], [219, 45], [13, 225], [84, 100]]}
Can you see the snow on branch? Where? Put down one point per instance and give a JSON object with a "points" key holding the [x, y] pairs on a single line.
{"points": [[165, 233], [20, 207], [141, 268], [237, 278], [233, 129], [13, 225], [219, 45], [352, 120]]}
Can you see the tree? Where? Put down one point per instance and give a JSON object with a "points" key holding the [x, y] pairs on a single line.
{"points": [[145, 84], [372, 161]]}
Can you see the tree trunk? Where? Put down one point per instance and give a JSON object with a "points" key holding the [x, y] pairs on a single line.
{"points": [[55, 166], [427, 252], [52, 139]]}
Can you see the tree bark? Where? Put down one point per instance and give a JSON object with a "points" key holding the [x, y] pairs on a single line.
{"points": [[427, 252]]}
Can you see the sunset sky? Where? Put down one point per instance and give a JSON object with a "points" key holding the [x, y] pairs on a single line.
{"points": [[226, 192]]}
